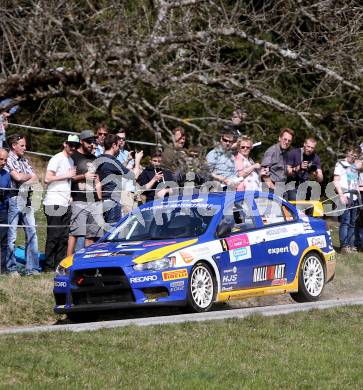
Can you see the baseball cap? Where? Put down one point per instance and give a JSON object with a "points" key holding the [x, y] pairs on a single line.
{"points": [[73, 138], [86, 134]]}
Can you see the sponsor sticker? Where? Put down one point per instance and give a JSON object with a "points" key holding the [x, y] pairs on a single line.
{"points": [[103, 254], [227, 288], [176, 274], [331, 257], [240, 254], [294, 248], [180, 283], [177, 286], [307, 227], [281, 231], [268, 272], [237, 241], [229, 279], [230, 270], [279, 282], [319, 241], [277, 251], [187, 257], [141, 279], [60, 284]]}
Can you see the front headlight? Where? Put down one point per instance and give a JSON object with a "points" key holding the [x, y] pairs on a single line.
{"points": [[61, 271], [155, 265]]}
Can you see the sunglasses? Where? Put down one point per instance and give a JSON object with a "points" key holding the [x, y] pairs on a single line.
{"points": [[230, 141], [73, 144], [245, 147], [122, 138]]}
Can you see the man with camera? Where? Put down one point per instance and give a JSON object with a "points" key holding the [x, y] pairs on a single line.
{"points": [[130, 160], [20, 208], [303, 164]]}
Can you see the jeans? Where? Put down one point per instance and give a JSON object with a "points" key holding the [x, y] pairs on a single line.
{"points": [[57, 235], [347, 225], [22, 217], [3, 238]]}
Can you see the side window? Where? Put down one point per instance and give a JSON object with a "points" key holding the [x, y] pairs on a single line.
{"points": [[273, 212], [243, 217]]}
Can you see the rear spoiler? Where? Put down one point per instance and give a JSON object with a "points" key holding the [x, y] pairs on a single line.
{"points": [[311, 207]]}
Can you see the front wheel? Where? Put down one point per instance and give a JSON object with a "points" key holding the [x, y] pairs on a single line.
{"points": [[202, 288], [311, 279]]}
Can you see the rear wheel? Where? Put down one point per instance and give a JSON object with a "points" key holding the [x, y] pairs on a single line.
{"points": [[83, 316], [202, 288], [311, 279]]}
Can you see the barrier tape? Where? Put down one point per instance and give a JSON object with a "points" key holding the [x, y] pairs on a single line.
{"points": [[73, 132]]}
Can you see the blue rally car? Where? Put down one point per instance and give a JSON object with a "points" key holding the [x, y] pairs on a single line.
{"points": [[197, 251]]}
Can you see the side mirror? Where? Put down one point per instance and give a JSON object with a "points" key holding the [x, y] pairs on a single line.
{"points": [[224, 229]]}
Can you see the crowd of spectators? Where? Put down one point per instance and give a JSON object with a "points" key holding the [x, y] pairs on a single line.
{"points": [[95, 180]]}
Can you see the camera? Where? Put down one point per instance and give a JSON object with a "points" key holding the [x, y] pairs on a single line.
{"points": [[312, 167]]}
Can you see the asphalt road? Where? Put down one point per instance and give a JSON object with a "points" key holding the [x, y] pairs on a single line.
{"points": [[179, 318]]}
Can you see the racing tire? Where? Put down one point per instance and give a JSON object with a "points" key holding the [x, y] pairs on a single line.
{"points": [[83, 316], [311, 279], [202, 288]]}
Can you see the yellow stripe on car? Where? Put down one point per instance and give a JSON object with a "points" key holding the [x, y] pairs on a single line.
{"points": [[67, 262], [159, 253]]}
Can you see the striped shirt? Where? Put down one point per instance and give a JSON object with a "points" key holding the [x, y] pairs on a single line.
{"points": [[19, 164]]}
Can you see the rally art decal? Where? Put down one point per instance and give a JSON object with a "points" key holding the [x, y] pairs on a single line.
{"points": [[269, 272]]}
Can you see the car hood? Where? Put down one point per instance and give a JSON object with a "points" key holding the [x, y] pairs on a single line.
{"points": [[129, 253]]}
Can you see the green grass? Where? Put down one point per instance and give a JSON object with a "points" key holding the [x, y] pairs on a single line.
{"points": [[319, 349]]}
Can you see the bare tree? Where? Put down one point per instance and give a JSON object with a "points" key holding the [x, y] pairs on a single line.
{"points": [[167, 62]]}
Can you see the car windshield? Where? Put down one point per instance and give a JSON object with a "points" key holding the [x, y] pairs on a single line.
{"points": [[162, 223]]}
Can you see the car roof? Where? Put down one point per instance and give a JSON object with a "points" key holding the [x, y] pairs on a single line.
{"points": [[212, 198]]}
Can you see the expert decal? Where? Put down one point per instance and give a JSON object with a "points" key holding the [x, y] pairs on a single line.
{"points": [[277, 251], [268, 272]]}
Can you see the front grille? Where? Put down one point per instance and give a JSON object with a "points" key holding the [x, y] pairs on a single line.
{"points": [[100, 285]]}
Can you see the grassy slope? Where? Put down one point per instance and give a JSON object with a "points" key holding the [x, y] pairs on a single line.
{"points": [[304, 350]]}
